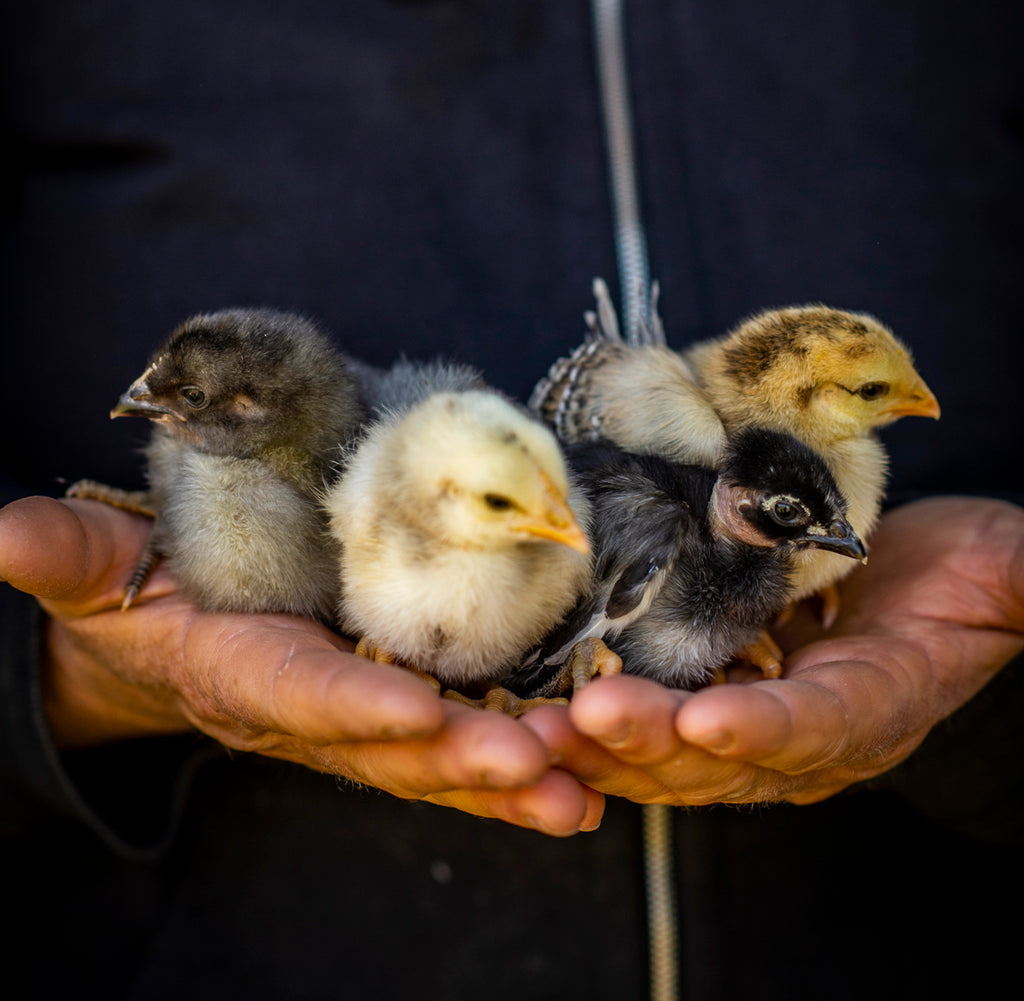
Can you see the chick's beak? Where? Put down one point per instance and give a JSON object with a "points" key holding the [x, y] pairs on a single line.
{"points": [[553, 520], [918, 401], [137, 402], [838, 538]]}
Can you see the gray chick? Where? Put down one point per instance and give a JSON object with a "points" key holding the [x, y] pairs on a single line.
{"points": [[406, 383], [248, 408]]}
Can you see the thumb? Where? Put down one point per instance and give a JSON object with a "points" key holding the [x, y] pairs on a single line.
{"points": [[68, 550]]}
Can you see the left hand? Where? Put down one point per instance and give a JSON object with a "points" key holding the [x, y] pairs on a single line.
{"points": [[936, 613], [275, 685]]}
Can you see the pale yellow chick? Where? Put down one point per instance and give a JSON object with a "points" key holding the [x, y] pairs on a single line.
{"points": [[462, 543]]}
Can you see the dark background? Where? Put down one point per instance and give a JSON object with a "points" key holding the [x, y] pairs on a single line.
{"points": [[428, 177]]}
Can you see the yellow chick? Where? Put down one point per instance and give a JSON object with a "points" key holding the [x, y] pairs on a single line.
{"points": [[462, 543], [830, 378]]}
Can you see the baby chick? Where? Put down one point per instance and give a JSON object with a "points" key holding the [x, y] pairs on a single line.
{"points": [[248, 407], [691, 563], [826, 376], [460, 545]]}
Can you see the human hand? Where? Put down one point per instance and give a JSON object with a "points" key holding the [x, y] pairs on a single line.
{"points": [[273, 684], [936, 613]]}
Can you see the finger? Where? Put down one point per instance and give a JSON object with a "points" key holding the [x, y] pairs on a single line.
{"points": [[591, 763], [594, 813], [691, 777], [629, 716], [79, 551], [557, 805], [848, 712], [476, 749]]}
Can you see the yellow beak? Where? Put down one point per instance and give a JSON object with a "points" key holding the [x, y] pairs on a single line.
{"points": [[553, 521], [918, 402]]}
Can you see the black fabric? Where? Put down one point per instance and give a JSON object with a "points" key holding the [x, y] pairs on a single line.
{"points": [[282, 884], [428, 177]]}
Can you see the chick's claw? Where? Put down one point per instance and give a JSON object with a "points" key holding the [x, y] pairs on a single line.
{"points": [[368, 649], [588, 659], [137, 502], [503, 701], [143, 569], [379, 655], [765, 654]]}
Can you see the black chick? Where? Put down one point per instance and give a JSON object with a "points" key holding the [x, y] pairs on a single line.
{"points": [[691, 563], [248, 407]]}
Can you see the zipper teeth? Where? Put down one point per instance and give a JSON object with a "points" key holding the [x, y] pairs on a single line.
{"points": [[630, 239], [662, 922]]}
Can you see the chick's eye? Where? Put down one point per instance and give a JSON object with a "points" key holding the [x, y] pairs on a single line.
{"points": [[193, 396], [785, 512], [873, 390], [496, 502]]}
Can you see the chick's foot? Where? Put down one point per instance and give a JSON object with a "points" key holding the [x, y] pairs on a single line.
{"points": [[136, 501], [588, 659], [379, 655], [829, 605], [763, 653], [501, 700], [150, 557]]}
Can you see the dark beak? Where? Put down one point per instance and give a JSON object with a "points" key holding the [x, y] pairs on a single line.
{"points": [[839, 538], [137, 402]]}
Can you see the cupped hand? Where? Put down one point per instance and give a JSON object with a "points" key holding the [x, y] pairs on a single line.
{"points": [[272, 684], [935, 614]]}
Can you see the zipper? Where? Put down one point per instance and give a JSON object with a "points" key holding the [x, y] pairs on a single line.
{"points": [[620, 149], [639, 301]]}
